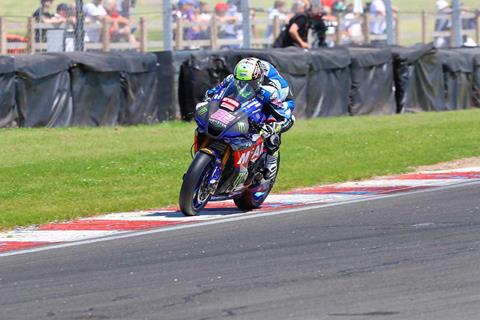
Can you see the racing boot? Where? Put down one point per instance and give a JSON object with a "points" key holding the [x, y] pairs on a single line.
{"points": [[271, 166]]}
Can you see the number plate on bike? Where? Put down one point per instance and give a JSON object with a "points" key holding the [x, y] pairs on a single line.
{"points": [[230, 104], [223, 116]]}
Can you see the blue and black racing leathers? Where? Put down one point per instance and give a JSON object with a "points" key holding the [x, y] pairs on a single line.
{"points": [[275, 94]]}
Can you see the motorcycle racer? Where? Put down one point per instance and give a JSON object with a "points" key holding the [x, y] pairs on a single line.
{"points": [[275, 94]]}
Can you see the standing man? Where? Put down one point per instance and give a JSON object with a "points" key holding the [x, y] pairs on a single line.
{"points": [[295, 33]]}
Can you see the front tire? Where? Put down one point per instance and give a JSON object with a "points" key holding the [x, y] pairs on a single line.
{"points": [[194, 194]]}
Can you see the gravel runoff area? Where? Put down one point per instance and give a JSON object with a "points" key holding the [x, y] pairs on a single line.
{"points": [[456, 164]]}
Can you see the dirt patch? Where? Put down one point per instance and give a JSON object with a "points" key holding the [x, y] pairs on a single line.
{"points": [[456, 164]]}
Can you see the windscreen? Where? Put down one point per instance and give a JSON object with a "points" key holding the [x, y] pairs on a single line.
{"points": [[240, 91]]}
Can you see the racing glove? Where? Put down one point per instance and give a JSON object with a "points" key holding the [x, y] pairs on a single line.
{"points": [[270, 129], [277, 127]]}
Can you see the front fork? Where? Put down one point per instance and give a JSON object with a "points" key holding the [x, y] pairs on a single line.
{"points": [[206, 146]]}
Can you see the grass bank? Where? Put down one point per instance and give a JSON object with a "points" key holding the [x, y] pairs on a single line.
{"points": [[57, 174]]}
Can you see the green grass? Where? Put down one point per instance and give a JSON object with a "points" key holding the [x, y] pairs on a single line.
{"points": [[58, 174]]}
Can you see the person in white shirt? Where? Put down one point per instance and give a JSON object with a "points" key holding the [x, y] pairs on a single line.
{"points": [[95, 14], [352, 26], [378, 11], [278, 11]]}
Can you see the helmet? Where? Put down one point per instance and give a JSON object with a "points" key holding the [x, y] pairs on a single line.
{"points": [[249, 72]]}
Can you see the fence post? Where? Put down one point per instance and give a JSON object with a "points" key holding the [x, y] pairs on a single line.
{"points": [[246, 24], [389, 20], [105, 36], [424, 26], [397, 29], [276, 28], [167, 25], [457, 37], [143, 35], [3, 37], [179, 35], [214, 33], [79, 26], [338, 31], [366, 27], [30, 36], [477, 29]]}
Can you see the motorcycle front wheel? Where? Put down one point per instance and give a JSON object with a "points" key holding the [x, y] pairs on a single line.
{"points": [[194, 194]]}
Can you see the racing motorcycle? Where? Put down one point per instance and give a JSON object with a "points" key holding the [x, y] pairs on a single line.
{"points": [[229, 152]]}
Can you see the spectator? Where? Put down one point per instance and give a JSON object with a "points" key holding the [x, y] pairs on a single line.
{"points": [[234, 7], [43, 15], [95, 15], [66, 13], [352, 26], [469, 24], [295, 33], [278, 11], [187, 13], [324, 25], [299, 6], [339, 7], [176, 13], [119, 25], [125, 7], [204, 16], [234, 11], [327, 3], [227, 23], [378, 11], [320, 27]]}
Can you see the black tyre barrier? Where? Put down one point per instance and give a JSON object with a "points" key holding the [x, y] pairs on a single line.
{"points": [[129, 88], [8, 110]]}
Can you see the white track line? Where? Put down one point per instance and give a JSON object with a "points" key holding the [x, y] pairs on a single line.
{"points": [[302, 198], [155, 216], [401, 183], [473, 169], [239, 217], [53, 235]]}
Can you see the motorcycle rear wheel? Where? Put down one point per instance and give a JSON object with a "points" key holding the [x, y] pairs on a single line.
{"points": [[250, 200], [194, 195]]}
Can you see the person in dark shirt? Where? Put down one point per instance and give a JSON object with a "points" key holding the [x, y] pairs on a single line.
{"points": [[43, 15], [295, 33], [319, 27]]}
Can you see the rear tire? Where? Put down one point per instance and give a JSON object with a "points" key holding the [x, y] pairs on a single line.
{"points": [[192, 195], [249, 200]]}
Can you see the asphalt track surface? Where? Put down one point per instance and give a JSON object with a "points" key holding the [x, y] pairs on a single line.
{"points": [[415, 256]]}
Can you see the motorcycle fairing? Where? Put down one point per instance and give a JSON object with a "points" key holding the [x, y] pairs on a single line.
{"points": [[242, 158]]}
